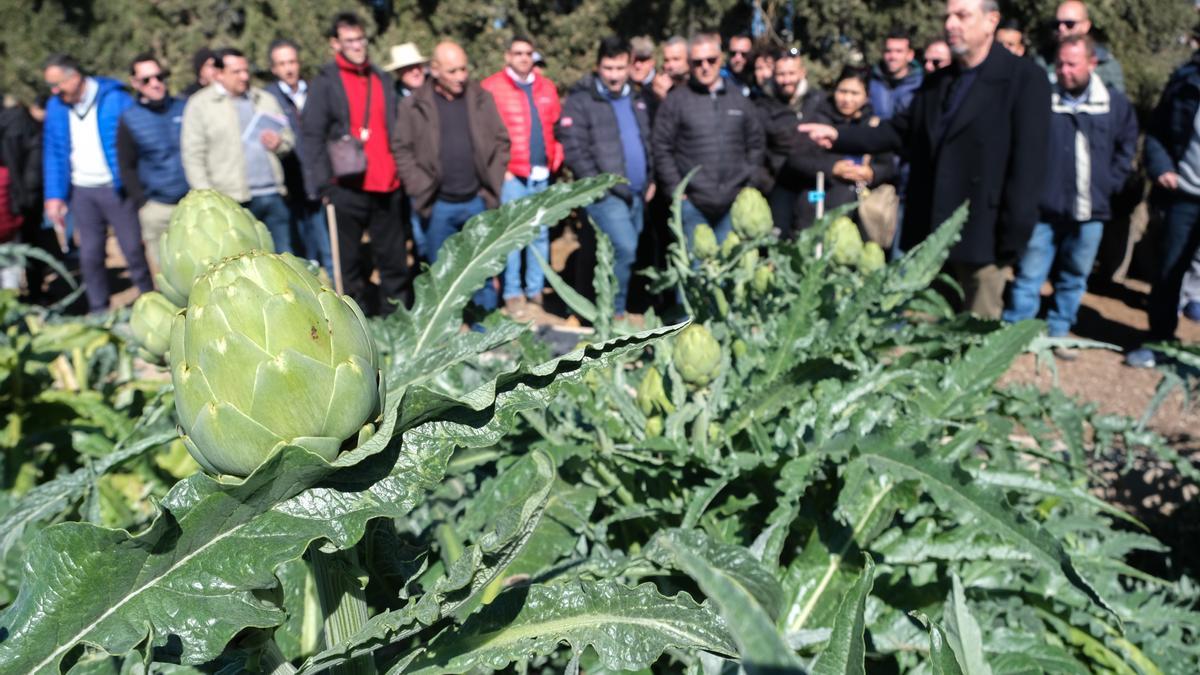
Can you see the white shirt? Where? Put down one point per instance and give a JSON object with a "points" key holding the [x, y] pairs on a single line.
{"points": [[89, 166], [299, 96]]}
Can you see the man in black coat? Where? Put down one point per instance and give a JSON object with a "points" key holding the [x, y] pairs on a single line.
{"points": [[705, 124], [976, 131], [351, 105], [605, 128]]}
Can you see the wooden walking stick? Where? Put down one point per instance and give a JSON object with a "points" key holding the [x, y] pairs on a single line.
{"points": [[334, 248]]}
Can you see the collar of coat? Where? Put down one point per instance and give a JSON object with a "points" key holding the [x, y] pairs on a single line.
{"points": [[1095, 101]]}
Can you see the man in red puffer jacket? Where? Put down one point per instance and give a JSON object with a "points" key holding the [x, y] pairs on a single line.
{"points": [[529, 106]]}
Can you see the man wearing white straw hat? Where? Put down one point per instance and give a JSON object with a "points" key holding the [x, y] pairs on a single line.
{"points": [[408, 66]]}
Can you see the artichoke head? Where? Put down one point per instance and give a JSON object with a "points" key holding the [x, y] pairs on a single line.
{"points": [[205, 227], [751, 214], [651, 395], [697, 356], [704, 242], [151, 322], [872, 258], [729, 246], [763, 277], [843, 241], [265, 356]]}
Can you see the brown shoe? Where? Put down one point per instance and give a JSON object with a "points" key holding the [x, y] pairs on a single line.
{"points": [[536, 299], [515, 305]]}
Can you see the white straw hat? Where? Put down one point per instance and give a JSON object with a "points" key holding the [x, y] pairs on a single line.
{"points": [[403, 56]]}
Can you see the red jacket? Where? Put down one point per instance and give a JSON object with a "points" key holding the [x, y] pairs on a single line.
{"points": [[514, 110]]}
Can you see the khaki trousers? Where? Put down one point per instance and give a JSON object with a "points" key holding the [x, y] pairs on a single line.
{"points": [[983, 288], [154, 217]]}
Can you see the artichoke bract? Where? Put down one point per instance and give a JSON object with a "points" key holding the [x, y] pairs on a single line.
{"points": [[872, 258], [704, 242], [151, 321], [751, 214], [697, 356], [266, 356], [205, 227]]}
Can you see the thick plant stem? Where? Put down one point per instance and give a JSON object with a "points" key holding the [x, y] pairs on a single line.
{"points": [[272, 662], [343, 602]]}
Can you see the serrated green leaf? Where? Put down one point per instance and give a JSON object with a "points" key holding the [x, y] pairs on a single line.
{"points": [[629, 628], [962, 632], [759, 645], [941, 657], [846, 652]]}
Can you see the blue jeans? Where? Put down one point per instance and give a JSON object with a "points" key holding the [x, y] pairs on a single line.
{"points": [[1073, 245], [692, 217], [272, 210], [535, 279], [446, 219], [623, 224], [1180, 239], [309, 220], [420, 241]]}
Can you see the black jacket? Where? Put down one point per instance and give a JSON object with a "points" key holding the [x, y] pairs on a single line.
{"points": [[299, 185], [327, 117], [718, 131], [1171, 126], [591, 139], [780, 119], [21, 153], [993, 153]]}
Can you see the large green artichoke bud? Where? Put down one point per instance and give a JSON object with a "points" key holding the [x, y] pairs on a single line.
{"points": [[651, 395], [751, 214], [205, 227], [151, 322], [265, 356], [697, 356], [704, 242], [872, 258], [843, 241]]}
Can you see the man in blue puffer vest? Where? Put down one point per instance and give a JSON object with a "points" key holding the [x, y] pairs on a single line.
{"points": [[148, 150], [80, 172]]}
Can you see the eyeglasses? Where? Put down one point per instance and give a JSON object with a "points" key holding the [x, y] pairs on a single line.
{"points": [[160, 77], [939, 63], [1069, 24], [711, 60]]}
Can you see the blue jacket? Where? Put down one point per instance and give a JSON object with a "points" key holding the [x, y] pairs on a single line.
{"points": [[149, 154], [1108, 122], [889, 96], [111, 102], [1170, 127]]}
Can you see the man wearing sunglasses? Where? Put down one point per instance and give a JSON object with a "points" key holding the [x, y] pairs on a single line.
{"points": [[1072, 18], [705, 125], [741, 49], [937, 56], [81, 172], [148, 150]]}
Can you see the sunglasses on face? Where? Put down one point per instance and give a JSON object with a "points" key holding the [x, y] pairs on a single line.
{"points": [[935, 62], [739, 52], [160, 77], [1067, 23], [711, 60]]}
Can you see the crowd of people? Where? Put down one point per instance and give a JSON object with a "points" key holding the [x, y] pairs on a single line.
{"points": [[401, 155]]}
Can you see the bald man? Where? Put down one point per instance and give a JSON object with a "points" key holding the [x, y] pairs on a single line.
{"points": [[451, 151], [1072, 18]]}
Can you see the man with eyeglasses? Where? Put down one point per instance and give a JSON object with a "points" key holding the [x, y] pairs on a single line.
{"points": [[528, 103], [350, 117], [233, 137], [81, 173], [704, 124], [936, 56], [976, 131], [148, 150], [1071, 18]]}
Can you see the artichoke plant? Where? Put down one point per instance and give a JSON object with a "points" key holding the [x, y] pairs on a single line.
{"points": [[697, 356], [266, 356], [205, 227], [751, 214], [151, 322]]}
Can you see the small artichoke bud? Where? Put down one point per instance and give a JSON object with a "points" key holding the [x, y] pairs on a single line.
{"points": [[704, 242], [729, 246], [739, 348], [763, 276], [697, 356], [651, 395], [654, 426], [751, 214], [843, 241], [151, 322], [749, 261], [872, 258], [721, 301]]}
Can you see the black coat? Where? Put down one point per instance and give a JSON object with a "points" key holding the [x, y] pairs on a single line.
{"points": [[719, 132], [591, 138], [779, 120], [327, 117], [21, 153], [993, 153], [295, 178]]}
